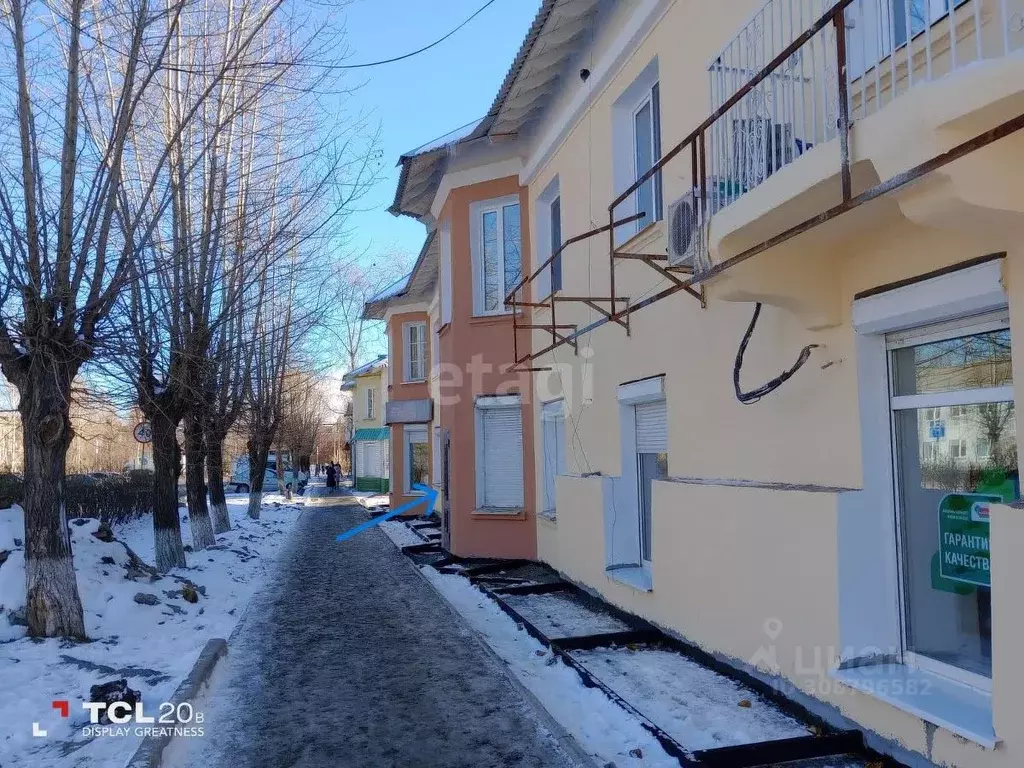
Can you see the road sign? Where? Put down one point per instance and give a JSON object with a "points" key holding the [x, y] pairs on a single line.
{"points": [[143, 432], [937, 431]]}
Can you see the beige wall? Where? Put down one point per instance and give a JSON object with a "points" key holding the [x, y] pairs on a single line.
{"points": [[377, 382], [728, 559]]}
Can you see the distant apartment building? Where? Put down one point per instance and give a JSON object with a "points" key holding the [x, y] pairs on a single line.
{"points": [[765, 343], [370, 440]]}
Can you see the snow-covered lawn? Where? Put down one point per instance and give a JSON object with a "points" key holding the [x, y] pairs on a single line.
{"points": [[400, 533], [559, 615], [698, 707], [152, 646], [600, 727]]}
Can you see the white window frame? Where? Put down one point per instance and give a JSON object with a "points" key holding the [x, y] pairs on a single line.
{"points": [[477, 212], [937, 400], [483, 403], [369, 403], [629, 396], [655, 147], [407, 350], [545, 245], [624, 167], [408, 433], [870, 612], [552, 413]]}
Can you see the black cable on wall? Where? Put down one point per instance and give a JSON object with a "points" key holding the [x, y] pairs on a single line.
{"points": [[751, 397]]}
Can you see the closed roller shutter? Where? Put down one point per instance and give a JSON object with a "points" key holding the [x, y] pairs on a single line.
{"points": [[651, 428], [502, 436]]}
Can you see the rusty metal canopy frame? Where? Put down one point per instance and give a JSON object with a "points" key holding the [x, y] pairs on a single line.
{"points": [[618, 309]]}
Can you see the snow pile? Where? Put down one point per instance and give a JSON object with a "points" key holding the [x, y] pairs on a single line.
{"points": [[602, 728], [371, 499], [400, 533], [12, 573], [153, 646], [698, 707], [560, 615]]}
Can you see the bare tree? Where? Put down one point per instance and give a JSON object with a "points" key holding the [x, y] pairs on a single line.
{"points": [[304, 409], [82, 72], [356, 282]]}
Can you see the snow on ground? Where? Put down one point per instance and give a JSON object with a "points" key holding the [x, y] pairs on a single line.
{"points": [[371, 499], [400, 533], [153, 646], [697, 706], [600, 727], [559, 615]]}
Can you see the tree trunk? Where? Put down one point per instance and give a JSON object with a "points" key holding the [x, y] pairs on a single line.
{"points": [[258, 450], [195, 485], [53, 605], [215, 479], [166, 467]]}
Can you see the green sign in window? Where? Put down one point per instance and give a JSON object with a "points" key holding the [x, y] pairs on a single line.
{"points": [[964, 537]]}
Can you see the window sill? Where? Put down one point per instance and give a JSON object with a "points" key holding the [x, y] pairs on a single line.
{"points": [[642, 237], [957, 708], [491, 319], [414, 381], [499, 514], [638, 577]]}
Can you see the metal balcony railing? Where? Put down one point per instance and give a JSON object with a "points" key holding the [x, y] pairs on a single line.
{"points": [[794, 77], [890, 47]]}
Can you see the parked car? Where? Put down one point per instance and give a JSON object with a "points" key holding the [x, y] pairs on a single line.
{"points": [[293, 480]]}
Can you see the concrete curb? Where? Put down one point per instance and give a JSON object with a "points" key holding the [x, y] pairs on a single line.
{"points": [[151, 750], [565, 740]]}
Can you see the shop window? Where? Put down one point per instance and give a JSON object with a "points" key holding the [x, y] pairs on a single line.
{"points": [[417, 458], [943, 500]]}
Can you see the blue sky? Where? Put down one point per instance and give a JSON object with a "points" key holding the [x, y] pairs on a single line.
{"points": [[419, 99]]}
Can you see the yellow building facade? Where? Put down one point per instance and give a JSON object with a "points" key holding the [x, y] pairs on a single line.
{"points": [[814, 530]]}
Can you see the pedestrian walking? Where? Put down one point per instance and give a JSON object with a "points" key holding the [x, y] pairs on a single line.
{"points": [[332, 478]]}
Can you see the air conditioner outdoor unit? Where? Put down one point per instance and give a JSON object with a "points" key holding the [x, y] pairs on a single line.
{"points": [[687, 230]]}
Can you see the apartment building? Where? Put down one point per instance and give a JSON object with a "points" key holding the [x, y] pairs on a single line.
{"points": [[779, 257], [405, 307], [482, 434], [370, 439]]}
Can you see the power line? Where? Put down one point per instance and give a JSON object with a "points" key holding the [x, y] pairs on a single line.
{"points": [[409, 55]]}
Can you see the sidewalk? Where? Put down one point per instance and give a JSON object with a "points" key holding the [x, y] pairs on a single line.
{"points": [[350, 658]]}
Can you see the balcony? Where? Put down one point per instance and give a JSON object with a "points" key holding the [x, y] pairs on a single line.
{"points": [[823, 114], [889, 48]]}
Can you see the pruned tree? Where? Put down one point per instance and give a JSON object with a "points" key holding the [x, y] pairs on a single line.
{"points": [[188, 280], [82, 73]]}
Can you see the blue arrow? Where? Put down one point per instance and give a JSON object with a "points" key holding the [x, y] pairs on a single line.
{"points": [[430, 497]]}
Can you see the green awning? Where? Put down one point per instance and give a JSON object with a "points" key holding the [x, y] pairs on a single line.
{"points": [[372, 433]]}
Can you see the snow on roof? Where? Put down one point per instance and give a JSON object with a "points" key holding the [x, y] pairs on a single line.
{"points": [[396, 288], [348, 381], [447, 140]]}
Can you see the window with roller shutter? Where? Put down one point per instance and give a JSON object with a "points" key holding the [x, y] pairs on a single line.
{"points": [[499, 448]]}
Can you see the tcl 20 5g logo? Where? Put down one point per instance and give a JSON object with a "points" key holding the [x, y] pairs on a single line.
{"points": [[121, 718]]}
